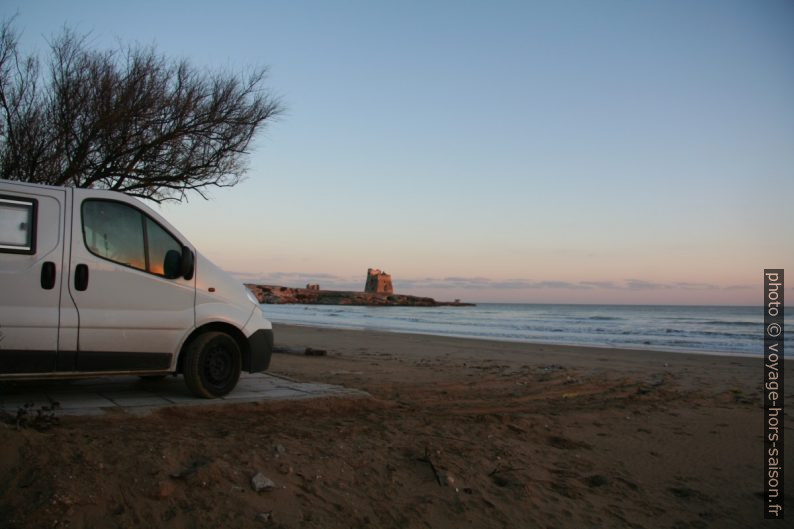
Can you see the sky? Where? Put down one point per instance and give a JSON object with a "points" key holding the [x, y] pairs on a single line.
{"points": [[553, 152]]}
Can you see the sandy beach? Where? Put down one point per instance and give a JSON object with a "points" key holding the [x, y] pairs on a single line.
{"points": [[457, 433]]}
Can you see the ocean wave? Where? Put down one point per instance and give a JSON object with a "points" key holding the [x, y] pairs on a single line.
{"points": [[732, 335], [715, 328], [733, 323]]}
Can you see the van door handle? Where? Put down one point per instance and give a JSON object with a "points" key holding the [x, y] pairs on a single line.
{"points": [[48, 275], [81, 277]]}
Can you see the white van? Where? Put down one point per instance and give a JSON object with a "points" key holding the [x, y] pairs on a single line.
{"points": [[96, 283]]}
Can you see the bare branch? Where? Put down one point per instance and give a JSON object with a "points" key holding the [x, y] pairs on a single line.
{"points": [[129, 119]]}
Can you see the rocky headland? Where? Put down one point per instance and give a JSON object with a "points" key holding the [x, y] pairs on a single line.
{"points": [[314, 296]]}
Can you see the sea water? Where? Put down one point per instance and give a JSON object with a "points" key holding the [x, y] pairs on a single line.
{"points": [[717, 329]]}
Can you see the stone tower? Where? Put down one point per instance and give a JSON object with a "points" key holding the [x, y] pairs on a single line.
{"points": [[378, 282]]}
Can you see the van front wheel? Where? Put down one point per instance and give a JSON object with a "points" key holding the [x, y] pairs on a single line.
{"points": [[212, 365]]}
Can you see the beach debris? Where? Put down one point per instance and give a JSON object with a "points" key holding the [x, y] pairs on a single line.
{"points": [[262, 483], [286, 349], [443, 477], [501, 478], [501, 481], [654, 382], [279, 448], [564, 443], [516, 429], [499, 470], [306, 351], [630, 484], [685, 493], [41, 419], [596, 480], [265, 517], [191, 468], [164, 490]]}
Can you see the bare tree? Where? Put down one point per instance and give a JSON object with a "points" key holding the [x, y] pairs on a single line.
{"points": [[129, 120]]}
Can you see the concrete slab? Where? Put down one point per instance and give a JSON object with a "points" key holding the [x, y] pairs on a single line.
{"points": [[275, 393], [133, 395], [74, 401], [126, 399]]}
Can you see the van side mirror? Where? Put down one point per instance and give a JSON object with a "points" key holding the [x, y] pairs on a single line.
{"points": [[172, 264], [188, 263]]}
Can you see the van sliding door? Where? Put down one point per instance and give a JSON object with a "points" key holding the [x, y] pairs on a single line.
{"points": [[31, 271]]}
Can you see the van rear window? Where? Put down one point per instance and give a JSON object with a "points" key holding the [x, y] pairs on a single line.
{"points": [[17, 225]]}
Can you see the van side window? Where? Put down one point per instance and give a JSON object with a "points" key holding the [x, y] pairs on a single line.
{"points": [[125, 235], [17, 225], [114, 231], [160, 242]]}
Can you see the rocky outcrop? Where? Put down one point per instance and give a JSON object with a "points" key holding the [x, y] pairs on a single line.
{"points": [[277, 294]]}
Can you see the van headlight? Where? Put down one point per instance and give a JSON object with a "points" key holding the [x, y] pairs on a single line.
{"points": [[251, 297]]}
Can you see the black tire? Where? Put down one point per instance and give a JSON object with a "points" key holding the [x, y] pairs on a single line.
{"points": [[212, 365]]}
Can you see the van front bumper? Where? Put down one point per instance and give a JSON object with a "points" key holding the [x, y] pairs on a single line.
{"points": [[260, 347]]}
